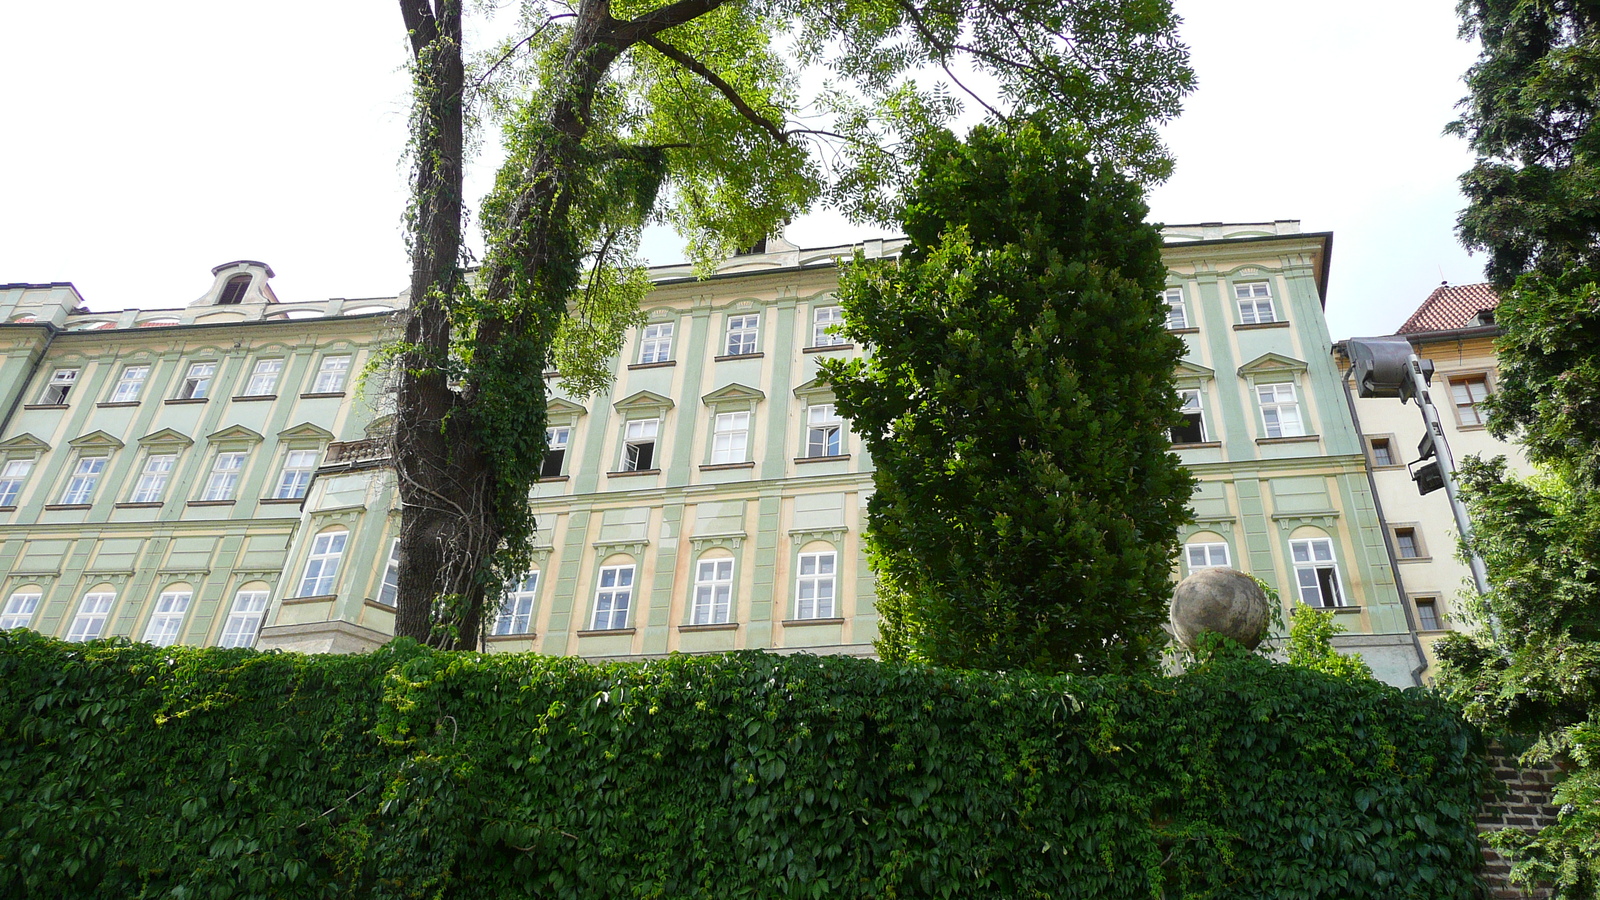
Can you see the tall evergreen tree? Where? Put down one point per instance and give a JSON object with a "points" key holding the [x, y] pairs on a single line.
{"points": [[1016, 404]]}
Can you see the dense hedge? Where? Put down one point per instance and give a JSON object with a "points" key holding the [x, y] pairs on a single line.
{"points": [[133, 771]]}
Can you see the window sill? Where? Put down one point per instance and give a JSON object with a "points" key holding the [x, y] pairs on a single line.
{"points": [[1378, 468], [552, 479], [1440, 630], [184, 401], [284, 500], [827, 347], [498, 638], [596, 632], [1197, 445], [1411, 559], [717, 467], [320, 395], [655, 365], [8, 509], [253, 398], [119, 405], [817, 459], [1293, 439], [55, 506], [791, 623], [737, 356], [376, 604], [710, 626], [157, 505], [319, 598], [1471, 427], [1257, 326], [635, 472], [45, 406], [211, 503], [1187, 330]]}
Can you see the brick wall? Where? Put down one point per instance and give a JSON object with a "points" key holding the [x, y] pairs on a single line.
{"points": [[1521, 800]]}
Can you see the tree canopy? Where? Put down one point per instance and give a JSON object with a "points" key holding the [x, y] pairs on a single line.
{"points": [[1016, 404]]}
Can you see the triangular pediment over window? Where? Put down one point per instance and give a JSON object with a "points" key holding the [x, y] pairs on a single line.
{"points": [[642, 401], [733, 393], [1271, 363], [1188, 371], [815, 389], [166, 437], [235, 434], [24, 443], [95, 439], [565, 409], [305, 431]]}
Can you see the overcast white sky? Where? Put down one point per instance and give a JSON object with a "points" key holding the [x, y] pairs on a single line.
{"points": [[140, 145]]}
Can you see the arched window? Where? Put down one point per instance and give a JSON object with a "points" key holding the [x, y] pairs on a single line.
{"points": [[167, 619], [613, 596], [233, 291], [1206, 550], [516, 605], [92, 614], [1316, 571], [244, 621], [20, 607], [322, 567], [713, 589], [814, 592]]}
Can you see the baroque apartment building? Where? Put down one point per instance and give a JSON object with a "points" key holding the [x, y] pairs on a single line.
{"points": [[711, 499]]}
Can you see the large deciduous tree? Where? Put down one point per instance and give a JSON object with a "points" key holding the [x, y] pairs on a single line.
{"points": [[618, 113], [1535, 208], [1016, 403]]}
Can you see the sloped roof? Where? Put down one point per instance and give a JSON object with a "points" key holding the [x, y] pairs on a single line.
{"points": [[1450, 307]]}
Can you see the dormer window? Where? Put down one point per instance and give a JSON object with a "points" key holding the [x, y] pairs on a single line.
{"points": [[233, 291]]}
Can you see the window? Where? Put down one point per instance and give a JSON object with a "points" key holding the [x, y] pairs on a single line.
{"points": [[197, 383], [130, 384], [80, 488], [298, 466], [1206, 556], [264, 378], [1316, 573], [245, 619], [12, 477], [1193, 429], [1280, 412], [742, 334], [1406, 543], [224, 478], [1382, 452], [731, 441], [1428, 614], [331, 376], [639, 445], [233, 291], [19, 610], [1255, 303], [167, 618], [92, 615], [814, 589], [59, 386], [823, 333], [612, 597], [1176, 316], [713, 592], [1469, 394], [389, 589], [516, 605], [555, 455], [823, 431], [655, 344], [322, 567], [152, 483]]}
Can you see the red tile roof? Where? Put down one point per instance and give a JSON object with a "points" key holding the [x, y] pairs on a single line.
{"points": [[1450, 307]]}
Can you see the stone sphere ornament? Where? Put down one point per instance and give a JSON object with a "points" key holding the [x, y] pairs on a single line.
{"points": [[1225, 601]]}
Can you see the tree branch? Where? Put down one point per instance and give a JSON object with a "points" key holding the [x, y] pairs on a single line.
{"points": [[420, 24], [727, 90], [514, 47], [625, 33]]}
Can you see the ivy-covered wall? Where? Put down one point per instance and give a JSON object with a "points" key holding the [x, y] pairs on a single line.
{"points": [[135, 771]]}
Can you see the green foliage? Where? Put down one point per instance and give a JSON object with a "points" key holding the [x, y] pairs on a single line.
{"points": [[1310, 645], [137, 771], [1016, 405]]}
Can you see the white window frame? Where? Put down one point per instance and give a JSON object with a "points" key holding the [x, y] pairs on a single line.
{"points": [[1316, 571], [227, 467], [13, 478], [1280, 415], [823, 420], [294, 478], [655, 343], [389, 587], [744, 335], [332, 374], [85, 478], [730, 437], [816, 585], [166, 621], [153, 477], [613, 597], [59, 387], [823, 318], [515, 614], [1254, 299], [130, 384], [638, 434], [244, 619], [197, 382], [1199, 555], [94, 611], [321, 574], [19, 609], [557, 439], [264, 377], [1467, 393], [713, 592], [1177, 315], [1193, 408]]}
